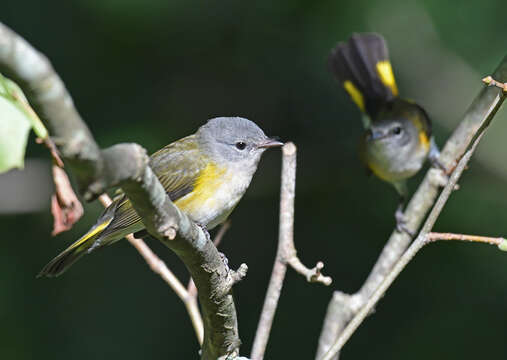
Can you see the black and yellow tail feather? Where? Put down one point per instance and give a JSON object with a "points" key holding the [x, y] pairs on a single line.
{"points": [[74, 252], [362, 65]]}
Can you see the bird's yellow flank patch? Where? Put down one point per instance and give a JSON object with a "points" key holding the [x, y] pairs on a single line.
{"points": [[355, 94], [205, 186], [385, 71]]}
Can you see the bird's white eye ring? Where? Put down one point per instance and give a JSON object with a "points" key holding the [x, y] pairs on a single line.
{"points": [[240, 145]]}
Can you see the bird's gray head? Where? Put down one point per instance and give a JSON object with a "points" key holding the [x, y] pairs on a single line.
{"points": [[392, 145], [234, 139], [391, 133], [397, 144]]}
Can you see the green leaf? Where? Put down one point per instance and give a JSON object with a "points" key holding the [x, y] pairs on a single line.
{"points": [[16, 119], [14, 128], [11, 91]]}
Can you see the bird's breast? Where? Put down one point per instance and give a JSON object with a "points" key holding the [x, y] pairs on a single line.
{"points": [[216, 192]]}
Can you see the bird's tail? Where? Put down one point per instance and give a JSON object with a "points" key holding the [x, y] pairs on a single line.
{"points": [[362, 65], [73, 253]]}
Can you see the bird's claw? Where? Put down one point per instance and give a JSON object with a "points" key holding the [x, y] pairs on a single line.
{"points": [[225, 261], [204, 230], [401, 223]]}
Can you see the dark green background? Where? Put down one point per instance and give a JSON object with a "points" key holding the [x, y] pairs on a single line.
{"points": [[153, 71]]}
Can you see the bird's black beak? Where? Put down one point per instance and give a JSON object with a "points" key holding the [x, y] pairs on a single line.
{"points": [[269, 143]]}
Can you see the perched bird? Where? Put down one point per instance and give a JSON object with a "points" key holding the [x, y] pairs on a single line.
{"points": [[204, 174], [397, 138]]}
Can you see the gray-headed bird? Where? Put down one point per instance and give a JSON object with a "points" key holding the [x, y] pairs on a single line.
{"points": [[397, 138], [204, 174]]}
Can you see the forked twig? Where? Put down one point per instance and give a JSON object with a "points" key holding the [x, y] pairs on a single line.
{"points": [[342, 307], [286, 254], [423, 238]]}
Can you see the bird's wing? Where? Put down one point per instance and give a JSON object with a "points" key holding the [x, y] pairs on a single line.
{"points": [[177, 166]]}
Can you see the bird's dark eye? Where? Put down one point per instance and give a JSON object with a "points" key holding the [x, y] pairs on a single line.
{"points": [[397, 130], [240, 145]]}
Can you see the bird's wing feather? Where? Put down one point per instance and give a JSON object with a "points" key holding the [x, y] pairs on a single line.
{"points": [[177, 166]]}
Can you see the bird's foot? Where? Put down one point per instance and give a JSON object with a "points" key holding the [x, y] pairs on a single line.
{"points": [[401, 222], [437, 164], [225, 261], [442, 178], [434, 159], [204, 230]]}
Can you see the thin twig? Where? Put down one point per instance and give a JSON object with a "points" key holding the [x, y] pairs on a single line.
{"points": [[50, 145], [422, 238], [286, 254], [342, 307], [435, 236], [492, 82], [159, 267], [417, 245]]}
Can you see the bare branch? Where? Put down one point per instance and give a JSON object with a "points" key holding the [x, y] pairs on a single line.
{"points": [[472, 129], [126, 165], [492, 82], [312, 275], [286, 253], [159, 267], [434, 236]]}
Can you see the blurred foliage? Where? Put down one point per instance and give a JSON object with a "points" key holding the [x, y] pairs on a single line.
{"points": [[153, 71]]}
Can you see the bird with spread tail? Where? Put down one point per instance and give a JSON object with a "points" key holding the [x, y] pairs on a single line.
{"points": [[397, 138], [204, 174]]}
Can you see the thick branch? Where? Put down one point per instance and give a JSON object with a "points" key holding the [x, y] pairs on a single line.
{"points": [[126, 165], [33, 72], [286, 254], [477, 118]]}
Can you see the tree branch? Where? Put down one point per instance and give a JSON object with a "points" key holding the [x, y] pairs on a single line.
{"points": [[498, 241], [286, 254], [191, 289], [460, 147], [126, 165], [159, 267], [33, 72]]}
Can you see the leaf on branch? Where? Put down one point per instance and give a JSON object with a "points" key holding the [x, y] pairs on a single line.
{"points": [[16, 119], [14, 128], [65, 206]]}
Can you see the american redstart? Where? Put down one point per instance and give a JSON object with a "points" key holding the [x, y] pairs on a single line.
{"points": [[204, 174], [397, 138]]}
